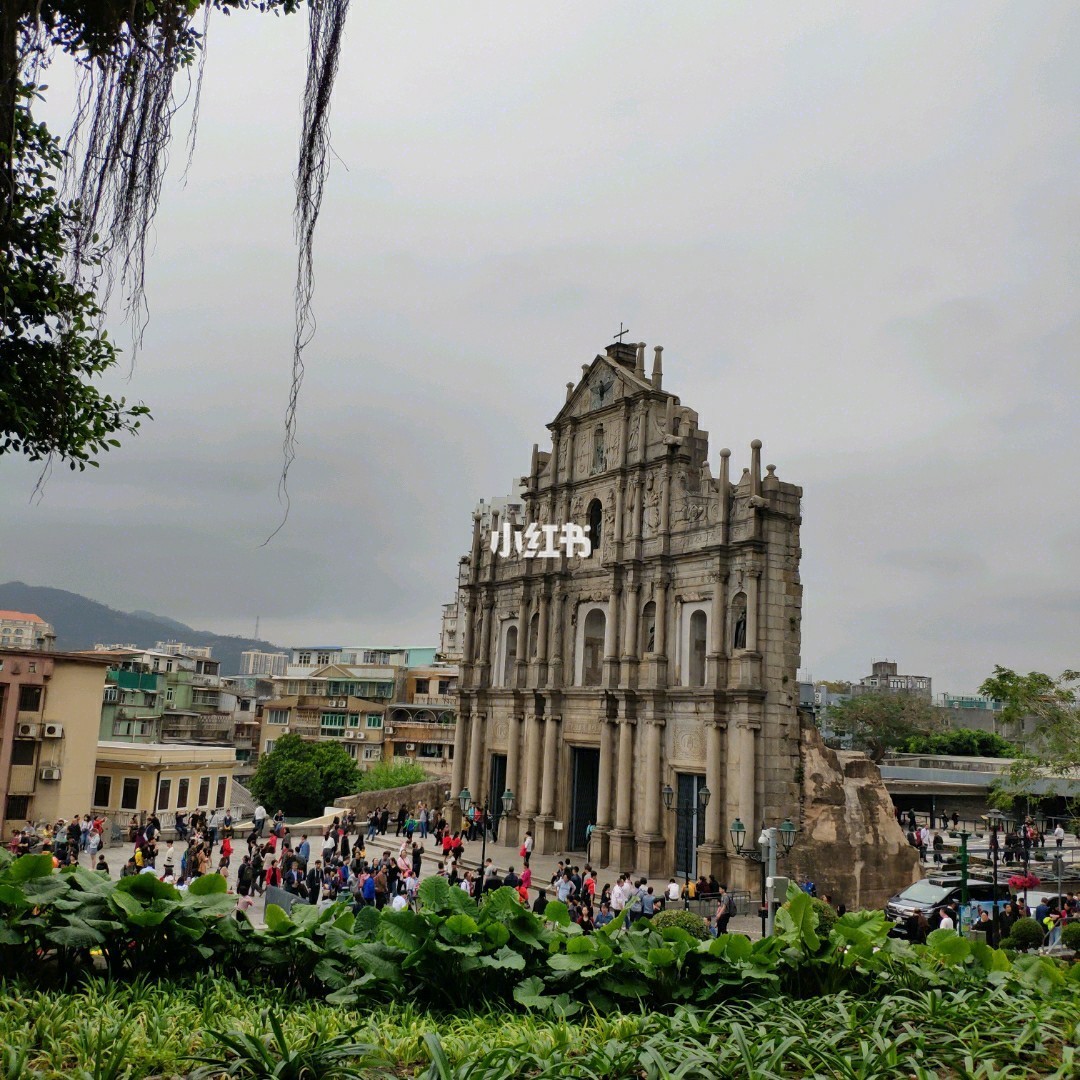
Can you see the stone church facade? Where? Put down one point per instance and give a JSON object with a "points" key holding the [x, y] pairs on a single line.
{"points": [[668, 656]]}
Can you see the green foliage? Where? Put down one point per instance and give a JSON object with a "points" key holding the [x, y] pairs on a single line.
{"points": [[879, 723], [303, 777], [452, 954], [1070, 936], [961, 742], [390, 774], [1053, 704], [1026, 934], [52, 346], [692, 923], [896, 1034]]}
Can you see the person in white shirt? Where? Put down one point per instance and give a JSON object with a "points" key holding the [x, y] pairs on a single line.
{"points": [[946, 921], [617, 899], [1059, 835], [671, 893]]}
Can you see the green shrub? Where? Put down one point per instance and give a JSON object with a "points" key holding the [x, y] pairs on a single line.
{"points": [[684, 920], [826, 916], [1070, 936], [1026, 934], [389, 774]]}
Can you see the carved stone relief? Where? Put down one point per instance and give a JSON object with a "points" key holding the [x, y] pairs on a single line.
{"points": [[688, 741]]}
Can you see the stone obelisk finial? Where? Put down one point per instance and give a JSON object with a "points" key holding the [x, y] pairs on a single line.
{"points": [[658, 368], [639, 365], [755, 467]]}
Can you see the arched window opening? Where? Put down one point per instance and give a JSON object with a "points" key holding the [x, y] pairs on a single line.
{"points": [[648, 627], [534, 635], [592, 667], [698, 635], [738, 621], [599, 462], [596, 522], [510, 656]]}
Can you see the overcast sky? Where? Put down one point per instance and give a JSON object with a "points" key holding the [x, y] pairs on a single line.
{"points": [[854, 230]]}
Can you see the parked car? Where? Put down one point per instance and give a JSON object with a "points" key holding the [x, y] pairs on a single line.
{"points": [[930, 895]]}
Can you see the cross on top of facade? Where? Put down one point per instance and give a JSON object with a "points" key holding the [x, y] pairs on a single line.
{"points": [[622, 333]]}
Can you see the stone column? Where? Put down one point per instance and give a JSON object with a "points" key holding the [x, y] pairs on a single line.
{"points": [[600, 838], [476, 750], [485, 644], [747, 768], [711, 853], [533, 736], [555, 677], [511, 822], [546, 838], [752, 585], [650, 841], [621, 851], [652, 777], [660, 637], [521, 661], [542, 634], [715, 782], [630, 632], [611, 626], [457, 774]]}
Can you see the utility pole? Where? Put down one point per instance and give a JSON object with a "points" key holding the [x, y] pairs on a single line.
{"points": [[963, 881]]}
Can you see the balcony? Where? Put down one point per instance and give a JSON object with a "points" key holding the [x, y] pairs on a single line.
{"points": [[134, 680], [448, 701], [412, 731]]}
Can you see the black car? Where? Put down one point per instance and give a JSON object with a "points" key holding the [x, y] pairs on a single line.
{"points": [[931, 895]]}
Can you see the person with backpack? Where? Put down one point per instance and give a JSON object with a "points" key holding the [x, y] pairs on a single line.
{"points": [[725, 909]]}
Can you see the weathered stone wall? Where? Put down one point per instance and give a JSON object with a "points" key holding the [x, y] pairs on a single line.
{"points": [[431, 793], [849, 842]]}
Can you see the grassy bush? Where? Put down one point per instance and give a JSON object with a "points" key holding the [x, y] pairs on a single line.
{"points": [[1026, 934], [143, 1029], [387, 774], [686, 920]]}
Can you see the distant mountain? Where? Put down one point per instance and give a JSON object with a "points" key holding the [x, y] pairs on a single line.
{"points": [[81, 623]]}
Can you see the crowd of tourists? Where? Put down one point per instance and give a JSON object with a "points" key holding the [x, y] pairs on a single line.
{"points": [[1015, 847]]}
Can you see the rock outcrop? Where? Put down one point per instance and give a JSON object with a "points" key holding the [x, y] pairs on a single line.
{"points": [[849, 844]]}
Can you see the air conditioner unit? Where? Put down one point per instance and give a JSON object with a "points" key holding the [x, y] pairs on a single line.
{"points": [[410, 746], [29, 731], [361, 734], [170, 704], [390, 730], [284, 731], [50, 773], [350, 734], [53, 731]]}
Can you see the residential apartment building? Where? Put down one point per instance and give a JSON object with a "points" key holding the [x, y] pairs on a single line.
{"points": [[266, 664], [50, 711], [180, 648], [884, 679], [251, 693], [21, 630], [420, 727], [337, 702]]}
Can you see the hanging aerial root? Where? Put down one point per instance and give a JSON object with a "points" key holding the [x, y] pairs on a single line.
{"points": [[326, 26]]}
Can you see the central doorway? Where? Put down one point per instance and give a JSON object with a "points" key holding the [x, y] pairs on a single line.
{"points": [[585, 773], [496, 787], [690, 830]]}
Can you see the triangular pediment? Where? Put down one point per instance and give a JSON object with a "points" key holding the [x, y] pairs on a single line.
{"points": [[602, 384]]}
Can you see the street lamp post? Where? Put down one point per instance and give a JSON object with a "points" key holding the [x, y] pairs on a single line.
{"points": [[774, 843], [681, 812], [465, 801], [995, 817]]}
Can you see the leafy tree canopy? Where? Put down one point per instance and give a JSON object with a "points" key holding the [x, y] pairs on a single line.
{"points": [[879, 723], [75, 217], [1053, 704], [303, 777], [962, 742]]}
